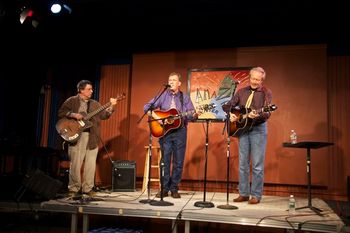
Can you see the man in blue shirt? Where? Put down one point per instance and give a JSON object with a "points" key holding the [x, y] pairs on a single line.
{"points": [[174, 132]]}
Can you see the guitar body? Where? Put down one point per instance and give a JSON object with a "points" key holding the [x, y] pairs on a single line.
{"points": [[70, 129], [173, 121], [244, 123]]}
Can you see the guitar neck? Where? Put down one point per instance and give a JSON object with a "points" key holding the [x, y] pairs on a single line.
{"points": [[245, 115], [98, 110], [186, 113], [103, 107]]}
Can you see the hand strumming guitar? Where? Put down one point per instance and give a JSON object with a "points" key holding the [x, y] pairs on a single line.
{"points": [[233, 117], [77, 116]]}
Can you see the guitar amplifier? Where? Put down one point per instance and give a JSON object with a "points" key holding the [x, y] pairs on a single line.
{"points": [[124, 176]]}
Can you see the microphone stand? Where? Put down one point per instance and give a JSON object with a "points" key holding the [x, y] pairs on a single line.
{"points": [[204, 203], [151, 107], [161, 202], [227, 206]]}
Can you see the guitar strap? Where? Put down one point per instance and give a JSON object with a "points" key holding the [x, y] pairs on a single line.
{"points": [[88, 107], [87, 112], [182, 101]]}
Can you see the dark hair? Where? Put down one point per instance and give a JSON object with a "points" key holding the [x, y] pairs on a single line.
{"points": [[82, 84]]}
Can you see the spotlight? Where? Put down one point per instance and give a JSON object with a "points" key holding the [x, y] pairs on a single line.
{"points": [[57, 8]]}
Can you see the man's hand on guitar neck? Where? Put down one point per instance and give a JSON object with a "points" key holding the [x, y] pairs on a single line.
{"points": [[253, 114], [113, 102]]}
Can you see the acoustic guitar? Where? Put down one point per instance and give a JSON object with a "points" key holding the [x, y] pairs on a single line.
{"points": [[171, 119], [244, 123], [70, 129]]}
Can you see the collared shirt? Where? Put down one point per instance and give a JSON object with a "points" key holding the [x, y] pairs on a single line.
{"points": [[262, 98]]}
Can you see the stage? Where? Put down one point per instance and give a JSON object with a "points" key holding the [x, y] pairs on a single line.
{"points": [[270, 212]]}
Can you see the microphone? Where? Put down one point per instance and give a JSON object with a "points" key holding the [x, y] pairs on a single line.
{"points": [[166, 85]]}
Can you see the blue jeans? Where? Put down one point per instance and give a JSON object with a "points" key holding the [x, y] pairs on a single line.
{"points": [[173, 146], [252, 147]]}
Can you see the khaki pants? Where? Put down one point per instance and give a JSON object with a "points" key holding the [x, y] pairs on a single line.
{"points": [[78, 154]]}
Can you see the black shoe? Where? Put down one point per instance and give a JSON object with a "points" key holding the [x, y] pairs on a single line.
{"points": [[165, 194], [175, 194]]}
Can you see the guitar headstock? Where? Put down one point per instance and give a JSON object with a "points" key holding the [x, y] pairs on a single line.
{"points": [[121, 97], [270, 108]]}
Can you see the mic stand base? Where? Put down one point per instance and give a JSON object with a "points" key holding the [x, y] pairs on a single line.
{"points": [[312, 208], [161, 203], [227, 207], [204, 204], [145, 201]]}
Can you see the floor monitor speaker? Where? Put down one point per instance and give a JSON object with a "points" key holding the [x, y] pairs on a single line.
{"points": [[41, 184]]}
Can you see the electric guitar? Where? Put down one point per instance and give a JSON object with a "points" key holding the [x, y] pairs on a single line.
{"points": [[244, 123], [171, 119], [70, 129]]}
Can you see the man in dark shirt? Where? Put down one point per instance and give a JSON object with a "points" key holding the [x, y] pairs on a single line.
{"points": [[252, 140], [85, 149]]}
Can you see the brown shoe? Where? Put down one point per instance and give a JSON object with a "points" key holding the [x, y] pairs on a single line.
{"points": [[165, 194], [241, 199], [72, 194], [253, 201], [175, 194], [92, 194]]}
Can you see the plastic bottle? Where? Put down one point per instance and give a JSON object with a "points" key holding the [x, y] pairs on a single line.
{"points": [[291, 205], [293, 137]]}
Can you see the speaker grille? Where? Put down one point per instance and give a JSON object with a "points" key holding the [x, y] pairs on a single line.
{"points": [[42, 184], [124, 176]]}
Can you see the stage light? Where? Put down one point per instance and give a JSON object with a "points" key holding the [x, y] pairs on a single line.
{"points": [[27, 14], [58, 6]]}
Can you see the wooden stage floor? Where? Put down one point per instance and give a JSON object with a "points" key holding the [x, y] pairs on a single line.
{"points": [[271, 212]]}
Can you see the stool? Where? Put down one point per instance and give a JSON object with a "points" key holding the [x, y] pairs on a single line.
{"points": [[146, 170]]}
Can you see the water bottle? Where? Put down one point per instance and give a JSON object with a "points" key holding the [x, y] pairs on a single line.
{"points": [[293, 137], [291, 205]]}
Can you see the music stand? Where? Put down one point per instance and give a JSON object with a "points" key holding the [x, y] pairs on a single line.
{"points": [[309, 145], [204, 203], [227, 206]]}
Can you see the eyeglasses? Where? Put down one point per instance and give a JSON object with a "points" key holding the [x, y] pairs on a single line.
{"points": [[256, 79]]}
